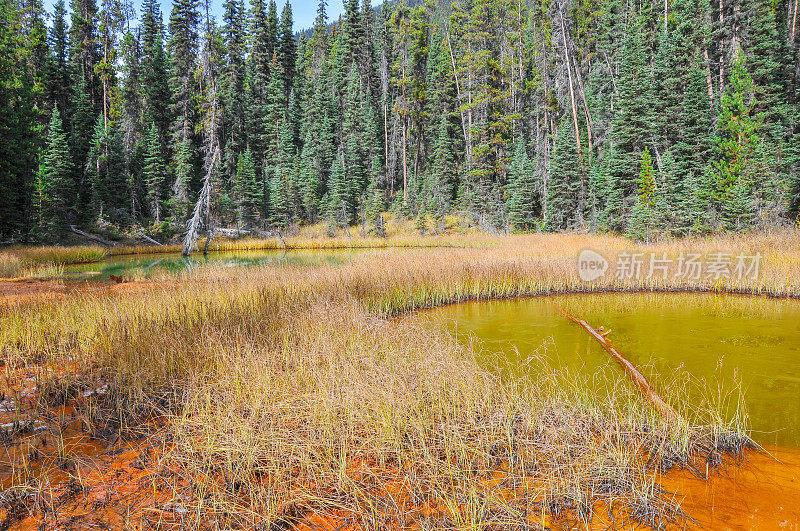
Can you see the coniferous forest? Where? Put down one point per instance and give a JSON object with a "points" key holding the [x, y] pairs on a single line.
{"points": [[643, 117]]}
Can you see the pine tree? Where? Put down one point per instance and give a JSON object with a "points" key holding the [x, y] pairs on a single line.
{"points": [[491, 123], [441, 177], [321, 122], [18, 126], [631, 125], [338, 194], [282, 193], [309, 181], [55, 189], [692, 152], [131, 122], [355, 141], [409, 27], [260, 83], [523, 194], [36, 55], [111, 20], [84, 48], [763, 51]]}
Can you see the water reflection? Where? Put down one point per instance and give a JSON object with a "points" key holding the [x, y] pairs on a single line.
{"points": [[148, 266]]}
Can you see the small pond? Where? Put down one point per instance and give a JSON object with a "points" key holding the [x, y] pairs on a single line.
{"points": [[150, 265], [725, 340]]}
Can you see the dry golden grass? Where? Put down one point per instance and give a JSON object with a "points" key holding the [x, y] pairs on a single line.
{"points": [[295, 391], [44, 262]]}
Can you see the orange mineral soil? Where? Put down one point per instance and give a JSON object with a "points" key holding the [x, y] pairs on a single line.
{"points": [[121, 485], [763, 492], [73, 480]]}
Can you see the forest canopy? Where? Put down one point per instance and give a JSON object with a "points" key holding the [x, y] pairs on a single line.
{"points": [[642, 117]]}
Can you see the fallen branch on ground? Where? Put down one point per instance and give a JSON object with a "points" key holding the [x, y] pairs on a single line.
{"points": [[92, 237]]}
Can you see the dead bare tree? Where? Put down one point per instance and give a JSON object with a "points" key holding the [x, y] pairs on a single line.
{"points": [[201, 217]]}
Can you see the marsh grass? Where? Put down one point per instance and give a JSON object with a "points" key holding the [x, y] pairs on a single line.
{"points": [[295, 391], [45, 262], [385, 423]]}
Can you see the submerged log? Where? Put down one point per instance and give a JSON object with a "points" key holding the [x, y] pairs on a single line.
{"points": [[92, 237], [658, 403]]}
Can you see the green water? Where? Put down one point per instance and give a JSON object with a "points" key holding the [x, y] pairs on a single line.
{"points": [[721, 339], [147, 266]]}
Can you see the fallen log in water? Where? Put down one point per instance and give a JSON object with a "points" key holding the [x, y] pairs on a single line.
{"points": [[658, 403]]}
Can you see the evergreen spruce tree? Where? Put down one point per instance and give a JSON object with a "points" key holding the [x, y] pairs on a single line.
{"points": [[154, 173], [409, 105], [58, 74], [740, 165], [322, 123], [55, 189], [83, 121], [282, 193], [183, 47], [84, 49], [523, 190], [644, 222], [631, 129], [248, 192], [338, 194], [287, 49], [309, 181], [692, 153], [355, 141], [260, 82], [156, 96], [107, 175], [131, 122], [19, 119], [233, 95], [563, 185]]}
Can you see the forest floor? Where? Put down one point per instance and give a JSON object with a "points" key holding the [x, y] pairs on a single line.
{"points": [[314, 398]]}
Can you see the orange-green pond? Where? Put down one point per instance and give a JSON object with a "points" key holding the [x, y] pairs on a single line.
{"points": [[731, 342]]}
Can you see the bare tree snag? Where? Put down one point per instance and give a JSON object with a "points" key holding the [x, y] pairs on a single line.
{"points": [[582, 199], [458, 86]]}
